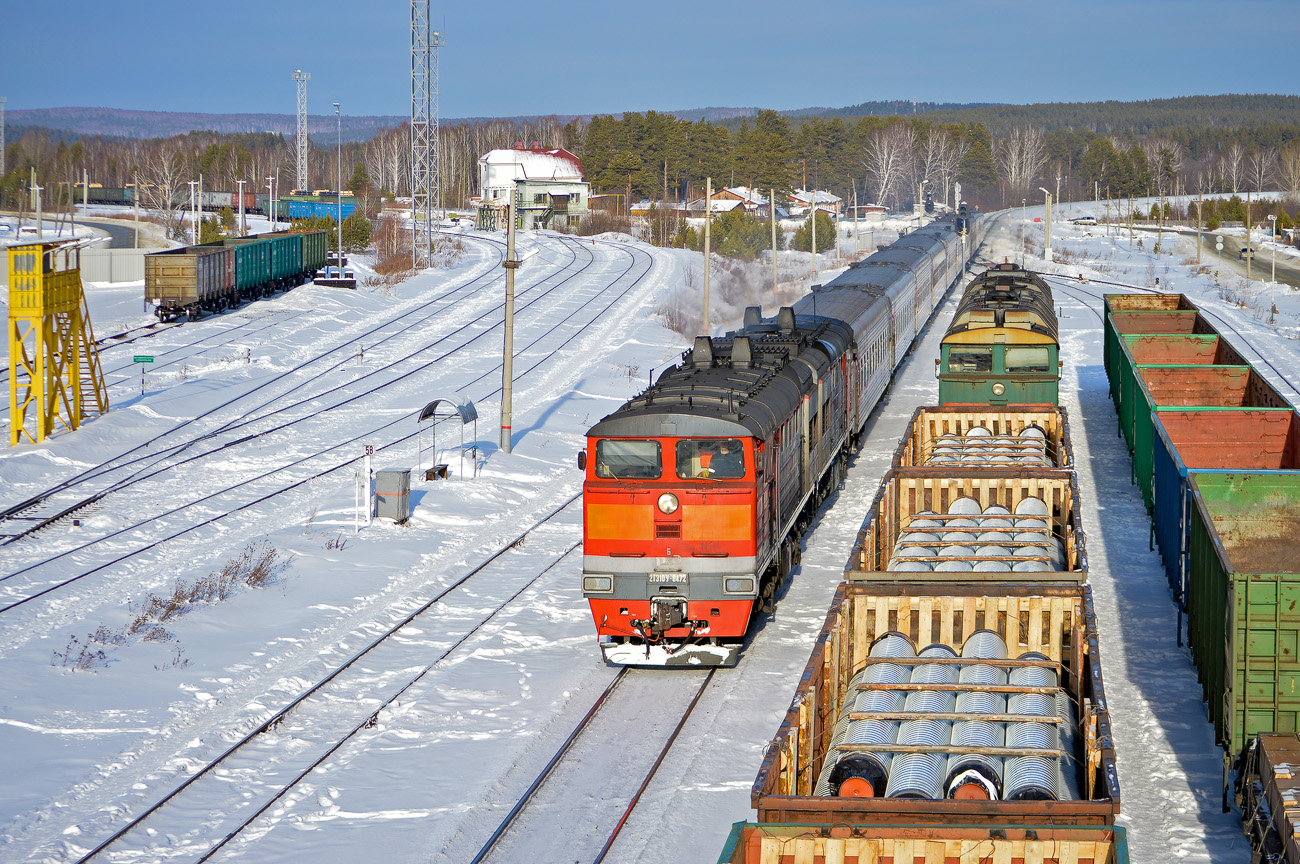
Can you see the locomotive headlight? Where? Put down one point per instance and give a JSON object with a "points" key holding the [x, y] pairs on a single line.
{"points": [[597, 583], [668, 503], [739, 586], [999, 388]]}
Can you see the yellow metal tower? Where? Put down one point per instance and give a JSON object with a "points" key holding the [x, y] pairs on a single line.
{"points": [[53, 365]]}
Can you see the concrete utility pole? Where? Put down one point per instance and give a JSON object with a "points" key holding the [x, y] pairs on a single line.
{"points": [[36, 206], [243, 227], [857, 249], [135, 200], [300, 139], [1200, 205], [708, 214], [771, 207], [1047, 226], [1249, 253], [270, 200], [508, 357], [812, 216], [339, 176]]}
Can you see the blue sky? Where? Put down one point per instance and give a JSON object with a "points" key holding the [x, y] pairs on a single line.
{"points": [[504, 57]]}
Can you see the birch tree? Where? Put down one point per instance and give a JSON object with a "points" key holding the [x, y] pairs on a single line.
{"points": [[888, 157], [1288, 168], [1259, 167], [1020, 157]]}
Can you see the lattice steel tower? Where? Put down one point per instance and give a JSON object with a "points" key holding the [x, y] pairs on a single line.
{"points": [[426, 187], [301, 138]]}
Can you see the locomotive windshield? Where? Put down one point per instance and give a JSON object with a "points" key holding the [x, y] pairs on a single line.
{"points": [[965, 358], [623, 459], [710, 458], [1021, 359]]}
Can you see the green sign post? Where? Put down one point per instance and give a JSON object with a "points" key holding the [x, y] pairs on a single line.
{"points": [[142, 359]]}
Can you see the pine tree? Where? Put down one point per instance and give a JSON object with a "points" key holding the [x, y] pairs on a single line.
{"points": [[802, 240]]}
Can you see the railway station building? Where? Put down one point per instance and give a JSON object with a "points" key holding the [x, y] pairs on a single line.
{"points": [[548, 186]]}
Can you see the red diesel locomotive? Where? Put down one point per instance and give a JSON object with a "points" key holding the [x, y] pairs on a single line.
{"points": [[698, 490]]}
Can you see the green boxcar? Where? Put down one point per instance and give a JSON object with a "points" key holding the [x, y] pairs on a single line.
{"points": [[286, 257], [252, 263], [1140, 303], [1244, 604], [314, 246], [1148, 388]]}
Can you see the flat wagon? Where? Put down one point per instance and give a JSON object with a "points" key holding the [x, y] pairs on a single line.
{"points": [[924, 844], [1049, 627], [930, 437], [912, 523]]}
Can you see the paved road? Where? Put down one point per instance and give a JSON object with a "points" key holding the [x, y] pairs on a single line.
{"points": [[121, 234]]}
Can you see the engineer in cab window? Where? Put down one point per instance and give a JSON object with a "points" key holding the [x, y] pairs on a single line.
{"points": [[727, 463]]}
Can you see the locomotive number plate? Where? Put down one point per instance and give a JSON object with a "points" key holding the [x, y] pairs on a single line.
{"points": [[667, 577]]}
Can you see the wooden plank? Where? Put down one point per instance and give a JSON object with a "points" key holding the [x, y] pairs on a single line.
{"points": [[1012, 609], [1034, 850], [935, 851], [803, 851], [1036, 624], [834, 851], [1012, 752], [971, 851], [1001, 853], [882, 619], [946, 622], [954, 716], [925, 628], [1055, 665], [1056, 628], [903, 851], [770, 850], [1067, 852]]}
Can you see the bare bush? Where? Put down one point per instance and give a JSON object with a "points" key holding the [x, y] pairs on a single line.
{"points": [[601, 222], [255, 566]]}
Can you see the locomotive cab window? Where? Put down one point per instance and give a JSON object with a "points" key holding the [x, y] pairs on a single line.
{"points": [[623, 459], [1020, 359], [711, 458], [963, 358]]}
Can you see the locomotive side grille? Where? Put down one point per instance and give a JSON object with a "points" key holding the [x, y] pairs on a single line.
{"points": [[668, 530]]}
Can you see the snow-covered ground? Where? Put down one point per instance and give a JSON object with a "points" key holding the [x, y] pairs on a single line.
{"points": [[86, 740]]}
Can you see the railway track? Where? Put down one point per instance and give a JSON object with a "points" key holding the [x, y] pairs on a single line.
{"points": [[251, 491], [213, 804], [642, 709], [62, 501]]}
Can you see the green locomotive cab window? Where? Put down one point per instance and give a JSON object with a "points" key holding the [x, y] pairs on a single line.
{"points": [[1027, 359], [710, 458], [970, 358], [626, 459]]}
